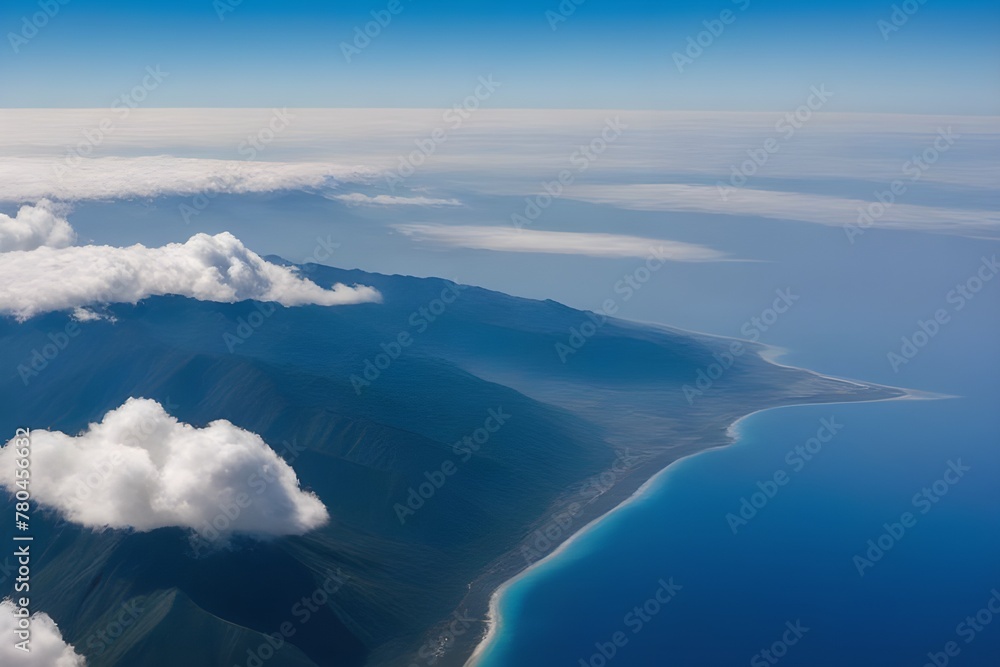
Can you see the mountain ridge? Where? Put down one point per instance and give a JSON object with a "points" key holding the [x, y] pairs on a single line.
{"points": [[365, 448]]}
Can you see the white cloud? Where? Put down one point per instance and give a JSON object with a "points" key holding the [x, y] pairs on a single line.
{"points": [[819, 209], [510, 239], [47, 646], [358, 199], [141, 468], [106, 178], [86, 315], [34, 226], [209, 268], [505, 151]]}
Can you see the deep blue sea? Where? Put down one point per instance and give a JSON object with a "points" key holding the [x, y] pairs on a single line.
{"points": [[786, 587]]}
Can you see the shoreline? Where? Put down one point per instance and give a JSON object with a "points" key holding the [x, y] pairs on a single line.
{"points": [[494, 619]]}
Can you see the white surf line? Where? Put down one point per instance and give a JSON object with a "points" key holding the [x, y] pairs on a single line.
{"points": [[494, 619]]}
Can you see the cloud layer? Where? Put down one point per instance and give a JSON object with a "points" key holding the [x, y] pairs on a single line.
{"points": [[358, 199], [76, 178], [535, 142], [209, 268], [47, 646], [819, 209], [510, 239], [141, 468], [36, 226]]}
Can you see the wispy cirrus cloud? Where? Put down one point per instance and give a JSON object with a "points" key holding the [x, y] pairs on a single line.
{"points": [[209, 268], [509, 239], [795, 206]]}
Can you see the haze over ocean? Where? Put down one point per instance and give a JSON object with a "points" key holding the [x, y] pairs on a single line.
{"points": [[246, 201], [793, 560]]}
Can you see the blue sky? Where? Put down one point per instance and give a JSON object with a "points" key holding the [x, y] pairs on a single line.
{"points": [[943, 59]]}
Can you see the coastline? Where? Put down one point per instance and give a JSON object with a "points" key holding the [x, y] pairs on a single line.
{"points": [[494, 619]]}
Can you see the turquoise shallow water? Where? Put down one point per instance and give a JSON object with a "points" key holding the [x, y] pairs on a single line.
{"points": [[785, 588], [792, 562]]}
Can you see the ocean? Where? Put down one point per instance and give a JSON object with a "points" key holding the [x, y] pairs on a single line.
{"points": [[847, 534]]}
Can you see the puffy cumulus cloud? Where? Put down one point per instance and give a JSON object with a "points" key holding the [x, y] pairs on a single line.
{"points": [[142, 469], [510, 239], [108, 178], [87, 315], [47, 646], [358, 199], [35, 226], [209, 268]]}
